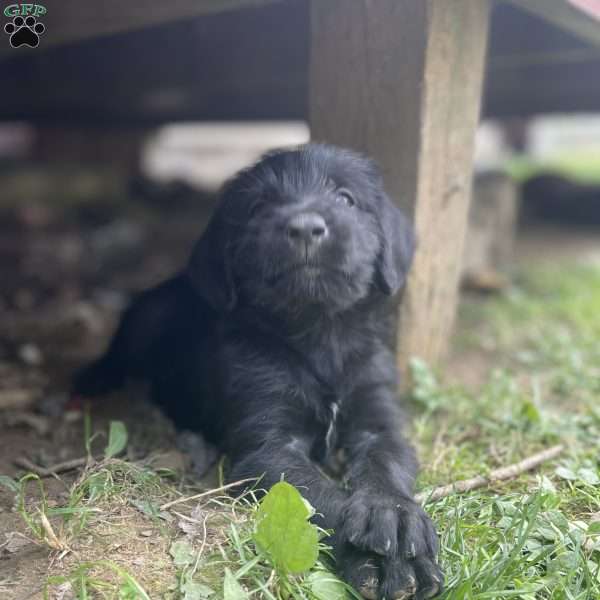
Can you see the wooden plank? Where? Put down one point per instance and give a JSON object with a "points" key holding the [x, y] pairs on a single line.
{"points": [[68, 21], [401, 80], [535, 67], [218, 67], [580, 17], [223, 67]]}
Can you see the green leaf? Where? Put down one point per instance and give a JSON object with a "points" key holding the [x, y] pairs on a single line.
{"points": [[590, 476], [195, 591], [284, 532], [182, 553], [326, 586], [565, 473], [117, 439], [9, 483], [232, 590], [530, 412], [558, 520], [594, 528]]}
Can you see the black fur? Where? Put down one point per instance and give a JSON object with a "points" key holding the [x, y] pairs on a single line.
{"points": [[272, 343]]}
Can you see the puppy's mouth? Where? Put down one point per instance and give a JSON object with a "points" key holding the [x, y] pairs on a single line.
{"points": [[309, 270]]}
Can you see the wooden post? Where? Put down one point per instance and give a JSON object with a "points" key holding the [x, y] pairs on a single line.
{"points": [[401, 80]]}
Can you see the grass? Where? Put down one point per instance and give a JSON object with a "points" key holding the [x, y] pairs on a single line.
{"points": [[536, 537], [581, 166]]}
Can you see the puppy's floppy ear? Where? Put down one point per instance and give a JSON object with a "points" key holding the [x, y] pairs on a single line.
{"points": [[398, 244], [209, 267]]}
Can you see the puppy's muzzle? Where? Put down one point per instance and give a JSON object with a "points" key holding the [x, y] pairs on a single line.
{"points": [[306, 232]]}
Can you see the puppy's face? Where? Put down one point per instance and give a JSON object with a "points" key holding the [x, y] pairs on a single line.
{"points": [[303, 227]]}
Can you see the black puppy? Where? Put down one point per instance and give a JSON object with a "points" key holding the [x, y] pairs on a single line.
{"points": [[272, 343]]}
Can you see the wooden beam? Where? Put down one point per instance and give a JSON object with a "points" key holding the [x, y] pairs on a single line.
{"points": [[68, 21], [578, 17], [218, 67], [401, 80]]}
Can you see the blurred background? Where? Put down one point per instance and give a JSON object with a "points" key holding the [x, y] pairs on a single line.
{"points": [[113, 147]]}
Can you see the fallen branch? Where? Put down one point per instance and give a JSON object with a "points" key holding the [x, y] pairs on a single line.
{"points": [[68, 465], [18, 398], [502, 474], [207, 493]]}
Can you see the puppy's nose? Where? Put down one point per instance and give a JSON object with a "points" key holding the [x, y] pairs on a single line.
{"points": [[307, 229]]}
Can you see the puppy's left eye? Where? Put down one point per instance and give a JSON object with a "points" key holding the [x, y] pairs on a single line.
{"points": [[345, 197]]}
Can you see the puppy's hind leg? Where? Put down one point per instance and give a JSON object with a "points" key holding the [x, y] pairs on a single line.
{"points": [[108, 373], [99, 378], [135, 348]]}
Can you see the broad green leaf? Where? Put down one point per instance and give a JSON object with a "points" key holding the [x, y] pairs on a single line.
{"points": [[284, 532], [182, 553], [326, 586], [232, 590], [117, 439]]}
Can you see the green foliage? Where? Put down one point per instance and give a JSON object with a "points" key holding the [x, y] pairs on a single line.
{"points": [[102, 579], [582, 166], [283, 531], [326, 586], [182, 552], [117, 439], [240, 568], [232, 590], [536, 537], [9, 483]]}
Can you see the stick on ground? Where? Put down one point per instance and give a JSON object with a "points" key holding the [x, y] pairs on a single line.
{"points": [[502, 474], [17, 398], [207, 493], [68, 465]]}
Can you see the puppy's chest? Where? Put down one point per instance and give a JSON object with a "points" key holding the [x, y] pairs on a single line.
{"points": [[330, 397], [327, 436]]}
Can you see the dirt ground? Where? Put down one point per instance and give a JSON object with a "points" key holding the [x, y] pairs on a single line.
{"points": [[66, 273]]}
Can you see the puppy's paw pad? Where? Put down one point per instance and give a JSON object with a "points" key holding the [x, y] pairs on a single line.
{"points": [[361, 571], [368, 589], [401, 586], [429, 576]]}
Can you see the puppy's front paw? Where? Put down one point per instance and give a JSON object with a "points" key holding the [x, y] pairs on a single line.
{"points": [[401, 533], [370, 523], [418, 578], [360, 569]]}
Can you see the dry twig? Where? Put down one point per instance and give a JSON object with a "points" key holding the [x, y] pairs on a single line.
{"points": [[502, 474], [68, 465], [18, 398], [51, 537], [207, 493]]}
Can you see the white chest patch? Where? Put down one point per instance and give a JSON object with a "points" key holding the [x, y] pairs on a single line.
{"points": [[329, 436]]}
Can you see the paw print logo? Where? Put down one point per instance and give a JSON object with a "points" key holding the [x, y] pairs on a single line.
{"points": [[24, 32]]}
